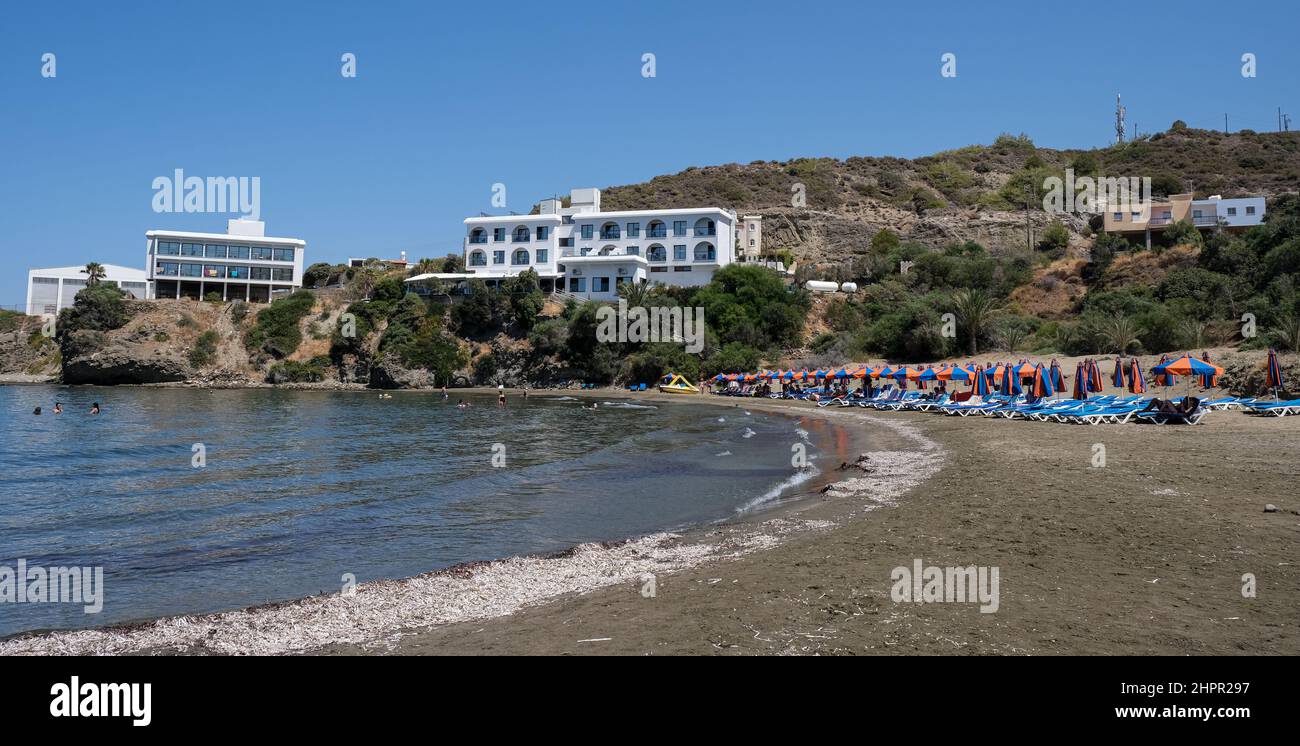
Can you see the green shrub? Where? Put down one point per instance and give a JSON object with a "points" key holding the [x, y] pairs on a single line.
{"points": [[294, 371], [98, 307], [204, 348], [276, 330]]}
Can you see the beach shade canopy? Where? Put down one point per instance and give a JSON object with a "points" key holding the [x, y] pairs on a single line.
{"points": [[1025, 370], [842, 373], [1136, 384], [720, 377], [788, 375], [1080, 382], [1118, 379], [1275, 380], [884, 372], [730, 376], [1189, 366], [929, 374]]}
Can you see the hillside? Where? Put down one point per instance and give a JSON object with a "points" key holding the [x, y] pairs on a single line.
{"points": [[970, 194]]}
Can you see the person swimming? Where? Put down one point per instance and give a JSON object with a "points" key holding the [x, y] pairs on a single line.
{"points": [[461, 404], [36, 411], [94, 408], [58, 407]]}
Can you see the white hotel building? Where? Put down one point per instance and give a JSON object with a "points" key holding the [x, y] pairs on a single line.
{"points": [[586, 252], [49, 291], [241, 264]]}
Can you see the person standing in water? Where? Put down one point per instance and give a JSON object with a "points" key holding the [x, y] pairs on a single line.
{"points": [[501, 398], [94, 408], [58, 407]]}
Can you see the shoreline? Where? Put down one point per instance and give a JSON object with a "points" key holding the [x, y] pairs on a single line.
{"points": [[383, 611]]}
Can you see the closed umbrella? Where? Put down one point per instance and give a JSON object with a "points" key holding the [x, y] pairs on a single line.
{"points": [[1136, 384], [1117, 380], [1080, 382], [1208, 380], [981, 383], [1275, 382]]}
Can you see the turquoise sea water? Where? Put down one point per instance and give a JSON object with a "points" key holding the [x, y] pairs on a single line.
{"points": [[302, 487]]}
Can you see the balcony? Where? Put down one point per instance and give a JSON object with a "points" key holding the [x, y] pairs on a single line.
{"points": [[610, 236], [1206, 220], [521, 238], [706, 231], [657, 233], [478, 239], [1155, 222]]}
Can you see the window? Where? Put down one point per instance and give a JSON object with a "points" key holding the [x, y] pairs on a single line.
{"points": [[542, 256], [566, 243], [633, 251], [586, 232], [191, 249], [600, 284], [521, 234], [161, 269], [633, 230], [679, 227], [751, 242], [262, 253], [478, 235], [519, 257], [498, 234], [498, 257], [1232, 211], [1119, 216], [169, 248], [477, 259], [259, 273], [1136, 214], [282, 274], [1196, 214], [578, 284], [705, 253], [679, 252], [656, 229], [282, 255], [214, 252], [238, 252], [658, 269], [237, 273], [1250, 210], [567, 220], [656, 253], [214, 271], [621, 281], [543, 232], [681, 269], [191, 270]]}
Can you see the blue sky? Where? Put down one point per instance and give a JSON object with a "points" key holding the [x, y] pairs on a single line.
{"points": [[452, 98]]}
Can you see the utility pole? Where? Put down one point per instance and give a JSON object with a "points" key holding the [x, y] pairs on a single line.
{"points": [[1029, 231], [1225, 123]]}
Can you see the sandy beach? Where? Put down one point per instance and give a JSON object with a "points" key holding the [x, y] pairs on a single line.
{"points": [[1143, 556]]}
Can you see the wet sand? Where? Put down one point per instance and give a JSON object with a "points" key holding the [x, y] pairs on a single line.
{"points": [[1145, 555]]}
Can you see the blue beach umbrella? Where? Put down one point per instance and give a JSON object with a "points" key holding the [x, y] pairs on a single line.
{"points": [[1058, 379], [1117, 380], [981, 383], [1042, 386], [1080, 383]]}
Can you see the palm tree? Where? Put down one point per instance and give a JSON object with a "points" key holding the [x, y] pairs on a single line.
{"points": [[1120, 334], [94, 272], [972, 309], [637, 293]]}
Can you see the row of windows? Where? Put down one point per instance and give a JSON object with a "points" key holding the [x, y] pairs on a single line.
{"points": [[656, 229], [520, 235], [1232, 212], [656, 253], [222, 251], [222, 271]]}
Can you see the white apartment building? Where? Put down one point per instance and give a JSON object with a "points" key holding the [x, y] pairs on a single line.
{"points": [[586, 252], [49, 291], [241, 264]]}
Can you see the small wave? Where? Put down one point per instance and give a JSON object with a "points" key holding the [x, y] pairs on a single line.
{"points": [[627, 405], [794, 480], [722, 419], [747, 414], [724, 453], [748, 433], [561, 398]]}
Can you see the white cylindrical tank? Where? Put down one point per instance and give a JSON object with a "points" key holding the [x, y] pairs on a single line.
{"points": [[849, 287], [821, 286]]}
